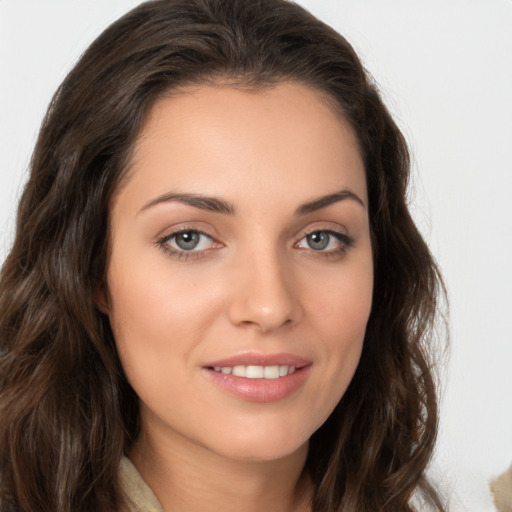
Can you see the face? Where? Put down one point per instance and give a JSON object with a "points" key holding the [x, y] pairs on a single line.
{"points": [[240, 275]]}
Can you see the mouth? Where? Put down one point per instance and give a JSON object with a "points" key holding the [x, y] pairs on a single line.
{"points": [[259, 378]]}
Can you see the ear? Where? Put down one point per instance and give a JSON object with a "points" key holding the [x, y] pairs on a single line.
{"points": [[101, 298]]}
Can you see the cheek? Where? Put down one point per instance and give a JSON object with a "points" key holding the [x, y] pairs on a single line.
{"points": [[340, 315], [148, 299], [344, 304], [158, 317], [148, 322], [141, 316]]}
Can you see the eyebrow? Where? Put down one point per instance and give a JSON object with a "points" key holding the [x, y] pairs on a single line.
{"points": [[212, 204], [215, 204], [324, 201]]}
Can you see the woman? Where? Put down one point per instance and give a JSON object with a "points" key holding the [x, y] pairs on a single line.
{"points": [[216, 297]]}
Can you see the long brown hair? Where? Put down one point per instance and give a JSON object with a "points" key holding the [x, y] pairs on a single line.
{"points": [[67, 412]]}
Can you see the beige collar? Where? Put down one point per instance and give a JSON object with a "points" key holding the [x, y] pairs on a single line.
{"points": [[139, 496]]}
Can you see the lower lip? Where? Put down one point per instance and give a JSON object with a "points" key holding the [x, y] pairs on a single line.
{"points": [[260, 390]]}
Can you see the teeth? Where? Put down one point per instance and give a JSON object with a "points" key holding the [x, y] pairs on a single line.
{"points": [[239, 371], [271, 372], [256, 372]]}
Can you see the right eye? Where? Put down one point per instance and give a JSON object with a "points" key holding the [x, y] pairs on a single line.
{"points": [[185, 242]]}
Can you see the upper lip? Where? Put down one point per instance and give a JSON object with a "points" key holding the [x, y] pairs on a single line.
{"points": [[254, 359]]}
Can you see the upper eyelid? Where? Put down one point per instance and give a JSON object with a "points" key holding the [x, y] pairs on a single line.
{"points": [[343, 237], [327, 226], [326, 229], [172, 234], [171, 231]]}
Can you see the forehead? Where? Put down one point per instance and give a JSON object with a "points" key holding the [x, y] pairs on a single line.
{"points": [[288, 137]]}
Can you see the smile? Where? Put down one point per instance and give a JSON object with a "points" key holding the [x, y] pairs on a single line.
{"points": [[256, 372], [259, 377]]}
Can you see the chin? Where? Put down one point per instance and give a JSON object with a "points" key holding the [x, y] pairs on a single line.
{"points": [[266, 453], [261, 446]]}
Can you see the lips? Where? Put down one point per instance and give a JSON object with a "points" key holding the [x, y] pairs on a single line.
{"points": [[259, 378]]}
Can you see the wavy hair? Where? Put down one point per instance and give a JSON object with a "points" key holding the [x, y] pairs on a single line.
{"points": [[67, 411]]}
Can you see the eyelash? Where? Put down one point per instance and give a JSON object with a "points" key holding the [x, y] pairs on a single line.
{"points": [[345, 240], [163, 243], [182, 254]]}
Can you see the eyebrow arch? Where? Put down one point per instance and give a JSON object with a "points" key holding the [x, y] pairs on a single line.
{"points": [[323, 202], [212, 204]]}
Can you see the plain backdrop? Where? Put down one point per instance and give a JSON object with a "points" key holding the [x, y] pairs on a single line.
{"points": [[445, 71]]}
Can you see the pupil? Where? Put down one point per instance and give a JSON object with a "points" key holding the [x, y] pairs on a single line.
{"points": [[187, 241], [318, 240]]}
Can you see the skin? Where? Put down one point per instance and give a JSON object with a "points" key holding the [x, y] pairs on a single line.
{"points": [[254, 284]]}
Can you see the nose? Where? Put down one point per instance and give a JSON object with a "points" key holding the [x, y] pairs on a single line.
{"points": [[263, 293]]}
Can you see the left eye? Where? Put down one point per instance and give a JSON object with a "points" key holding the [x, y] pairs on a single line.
{"points": [[323, 241], [188, 241]]}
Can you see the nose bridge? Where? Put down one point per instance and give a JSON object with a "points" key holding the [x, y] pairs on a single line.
{"points": [[263, 291]]}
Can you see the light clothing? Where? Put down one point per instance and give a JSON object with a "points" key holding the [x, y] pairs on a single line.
{"points": [[502, 491], [139, 497]]}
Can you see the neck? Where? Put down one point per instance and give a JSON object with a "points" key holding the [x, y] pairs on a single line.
{"points": [[192, 478]]}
